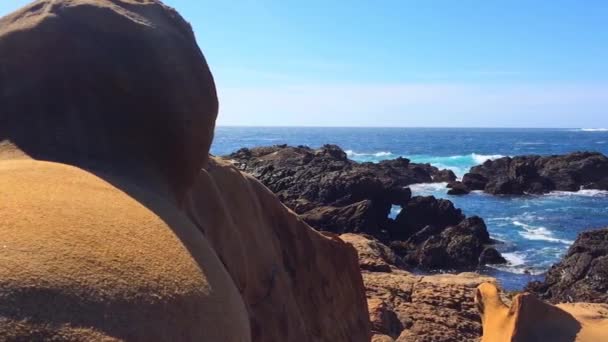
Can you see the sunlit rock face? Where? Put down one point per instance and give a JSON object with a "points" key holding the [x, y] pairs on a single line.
{"points": [[530, 319]]}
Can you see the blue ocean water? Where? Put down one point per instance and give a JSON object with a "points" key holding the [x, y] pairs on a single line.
{"points": [[535, 230]]}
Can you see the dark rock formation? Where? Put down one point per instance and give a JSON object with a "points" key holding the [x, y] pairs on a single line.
{"points": [[540, 174], [306, 178], [582, 275], [449, 245], [457, 188], [335, 194]]}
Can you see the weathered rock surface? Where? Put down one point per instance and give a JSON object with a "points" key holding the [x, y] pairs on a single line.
{"points": [[530, 319], [457, 188], [540, 174], [131, 233], [338, 195], [407, 307], [581, 275]]}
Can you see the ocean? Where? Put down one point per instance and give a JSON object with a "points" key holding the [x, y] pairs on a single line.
{"points": [[535, 231]]}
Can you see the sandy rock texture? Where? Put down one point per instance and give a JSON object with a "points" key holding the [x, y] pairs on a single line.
{"points": [[408, 307], [529, 319], [115, 224]]}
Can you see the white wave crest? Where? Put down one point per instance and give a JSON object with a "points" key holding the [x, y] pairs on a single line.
{"points": [[481, 158], [377, 154], [539, 233], [593, 130], [428, 188], [582, 193], [515, 258]]}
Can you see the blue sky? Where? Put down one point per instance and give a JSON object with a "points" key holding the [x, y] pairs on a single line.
{"points": [[404, 63]]}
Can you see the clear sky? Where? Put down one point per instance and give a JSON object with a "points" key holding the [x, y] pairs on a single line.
{"points": [[404, 63]]}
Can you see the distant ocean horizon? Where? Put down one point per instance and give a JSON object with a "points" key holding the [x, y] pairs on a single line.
{"points": [[535, 231]]}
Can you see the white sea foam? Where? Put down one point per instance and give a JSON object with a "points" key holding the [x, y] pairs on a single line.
{"points": [[592, 130], [481, 158], [539, 233], [352, 153], [583, 193], [515, 258], [426, 188]]}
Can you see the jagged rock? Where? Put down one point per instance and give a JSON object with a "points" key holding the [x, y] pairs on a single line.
{"points": [[305, 178], [581, 275], [383, 319], [422, 211], [131, 232], [540, 174]]}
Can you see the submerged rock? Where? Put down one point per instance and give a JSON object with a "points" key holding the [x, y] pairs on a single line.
{"points": [[581, 275], [540, 174]]}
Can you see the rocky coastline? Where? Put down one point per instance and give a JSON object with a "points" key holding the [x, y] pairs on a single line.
{"points": [[335, 194]]}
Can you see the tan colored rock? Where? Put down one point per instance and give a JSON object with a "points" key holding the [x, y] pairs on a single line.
{"points": [[429, 308], [373, 255], [530, 319], [124, 235], [382, 338]]}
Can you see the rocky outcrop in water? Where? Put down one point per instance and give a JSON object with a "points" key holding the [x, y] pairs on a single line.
{"points": [[115, 224], [333, 193], [405, 307], [539, 174], [581, 275]]}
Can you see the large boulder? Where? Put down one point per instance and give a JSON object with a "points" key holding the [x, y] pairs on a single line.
{"points": [[530, 319], [131, 232], [540, 174], [581, 275], [116, 83]]}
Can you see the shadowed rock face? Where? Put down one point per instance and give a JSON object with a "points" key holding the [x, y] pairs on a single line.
{"points": [[581, 275], [539, 174], [131, 233], [530, 319], [119, 83]]}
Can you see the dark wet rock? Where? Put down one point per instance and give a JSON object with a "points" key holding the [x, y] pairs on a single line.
{"points": [[490, 256], [540, 174], [581, 275], [306, 178], [447, 246], [457, 188], [333, 193]]}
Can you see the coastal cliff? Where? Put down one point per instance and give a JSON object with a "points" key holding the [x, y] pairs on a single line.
{"points": [[115, 223]]}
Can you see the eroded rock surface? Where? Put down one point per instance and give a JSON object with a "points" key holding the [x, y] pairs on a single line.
{"points": [[581, 275], [407, 307]]}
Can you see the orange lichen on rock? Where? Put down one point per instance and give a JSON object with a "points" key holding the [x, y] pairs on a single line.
{"points": [[530, 319]]}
